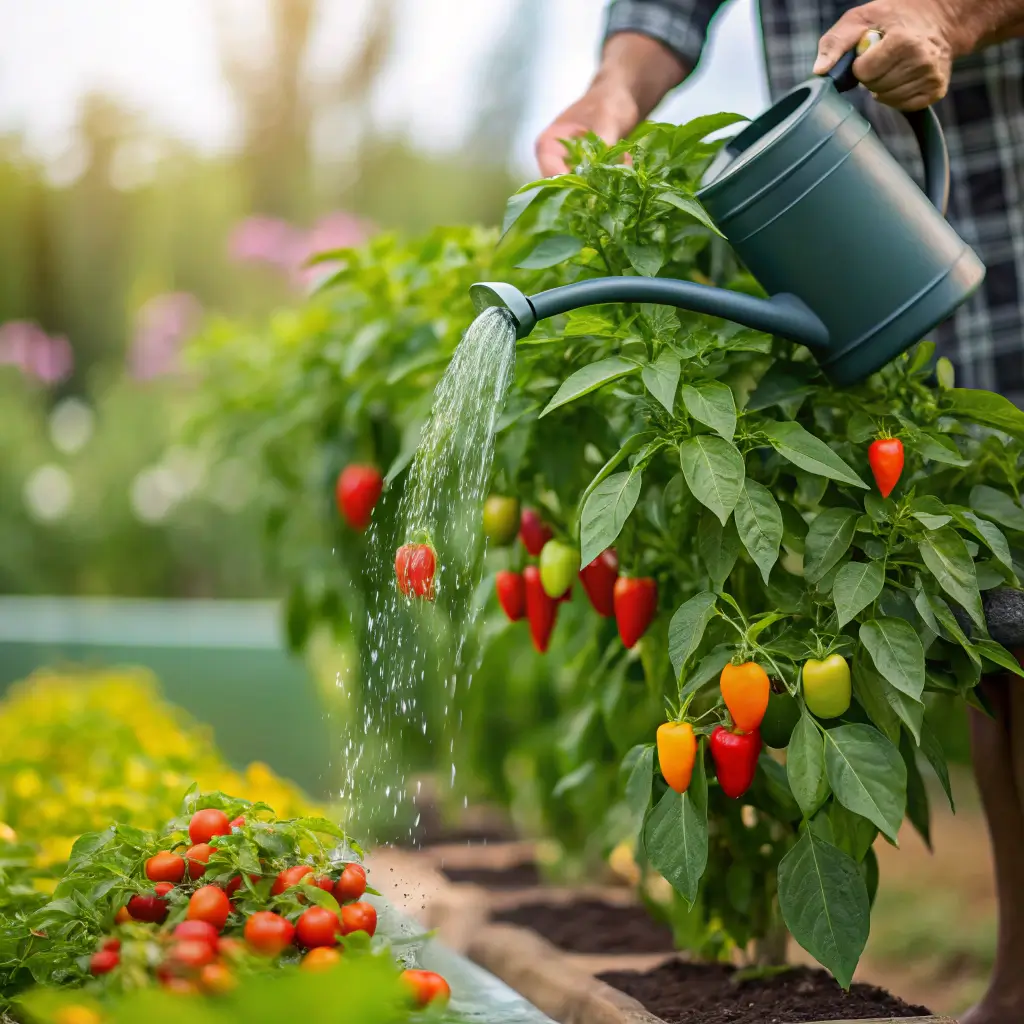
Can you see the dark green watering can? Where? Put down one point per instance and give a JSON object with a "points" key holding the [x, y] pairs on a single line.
{"points": [[860, 263]]}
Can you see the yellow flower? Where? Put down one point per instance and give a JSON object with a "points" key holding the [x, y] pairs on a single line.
{"points": [[27, 784]]}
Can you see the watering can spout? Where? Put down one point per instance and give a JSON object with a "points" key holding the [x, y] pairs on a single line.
{"points": [[784, 315]]}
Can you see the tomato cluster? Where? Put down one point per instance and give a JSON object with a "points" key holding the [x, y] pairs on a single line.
{"points": [[537, 590], [200, 949]]}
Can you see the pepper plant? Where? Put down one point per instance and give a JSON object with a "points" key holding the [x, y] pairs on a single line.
{"points": [[720, 465]]}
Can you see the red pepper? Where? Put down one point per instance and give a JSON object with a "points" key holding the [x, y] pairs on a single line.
{"points": [[598, 579], [540, 609], [735, 755], [636, 601], [357, 491], [415, 565], [533, 532], [885, 457], [511, 592]]}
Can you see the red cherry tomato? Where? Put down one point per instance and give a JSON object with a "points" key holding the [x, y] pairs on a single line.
{"points": [[290, 877], [358, 917], [415, 565], [636, 602], [206, 824], [235, 884], [533, 531], [151, 908], [103, 961], [238, 822], [191, 953], [196, 857], [357, 492], [426, 987], [352, 883], [320, 958], [511, 591], [268, 933], [209, 904], [162, 888], [112, 944], [317, 927], [598, 579], [197, 931], [165, 867], [217, 980]]}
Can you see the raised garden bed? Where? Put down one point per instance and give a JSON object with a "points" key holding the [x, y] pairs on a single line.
{"points": [[594, 957], [518, 876], [686, 993], [591, 926]]}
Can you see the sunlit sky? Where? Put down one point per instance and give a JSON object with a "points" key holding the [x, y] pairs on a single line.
{"points": [[161, 56]]}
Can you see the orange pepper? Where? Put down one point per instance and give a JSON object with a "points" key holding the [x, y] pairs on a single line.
{"points": [[745, 690], [677, 751]]}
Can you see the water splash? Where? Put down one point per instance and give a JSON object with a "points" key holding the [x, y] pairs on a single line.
{"points": [[411, 644]]}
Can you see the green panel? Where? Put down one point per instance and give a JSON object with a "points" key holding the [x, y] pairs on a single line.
{"points": [[221, 662]]}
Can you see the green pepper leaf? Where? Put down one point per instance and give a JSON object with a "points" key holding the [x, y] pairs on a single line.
{"points": [[825, 904], [719, 547], [896, 650], [805, 765], [661, 378], [711, 402], [676, 834], [867, 775], [686, 630], [714, 472], [759, 525], [857, 584], [828, 539], [606, 512], [590, 378], [808, 452], [997, 506], [947, 558]]}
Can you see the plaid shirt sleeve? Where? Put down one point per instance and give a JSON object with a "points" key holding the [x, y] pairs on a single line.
{"points": [[682, 25]]}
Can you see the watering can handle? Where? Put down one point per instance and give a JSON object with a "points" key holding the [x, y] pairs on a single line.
{"points": [[927, 130]]}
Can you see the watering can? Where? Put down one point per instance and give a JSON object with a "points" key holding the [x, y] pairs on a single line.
{"points": [[859, 263]]}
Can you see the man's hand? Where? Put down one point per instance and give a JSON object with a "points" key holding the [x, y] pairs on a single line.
{"points": [[609, 110], [910, 67], [636, 72]]}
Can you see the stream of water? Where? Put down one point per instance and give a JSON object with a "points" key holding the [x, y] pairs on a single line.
{"points": [[410, 642]]}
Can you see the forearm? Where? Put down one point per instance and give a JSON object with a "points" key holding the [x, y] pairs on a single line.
{"points": [[642, 66], [987, 22]]}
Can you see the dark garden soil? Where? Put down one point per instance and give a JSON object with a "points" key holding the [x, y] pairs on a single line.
{"points": [[592, 926], [519, 876], [682, 993]]}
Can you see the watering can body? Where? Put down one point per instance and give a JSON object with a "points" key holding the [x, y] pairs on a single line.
{"points": [[859, 263], [816, 206]]}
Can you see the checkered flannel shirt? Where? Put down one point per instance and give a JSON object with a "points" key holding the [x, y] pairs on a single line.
{"points": [[983, 118]]}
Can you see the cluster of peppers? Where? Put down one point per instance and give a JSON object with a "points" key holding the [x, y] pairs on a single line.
{"points": [[759, 715], [536, 592]]}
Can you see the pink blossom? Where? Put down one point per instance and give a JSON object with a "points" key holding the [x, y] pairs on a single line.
{"points": [[161, 325], [26, 345], [274, 242]]}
